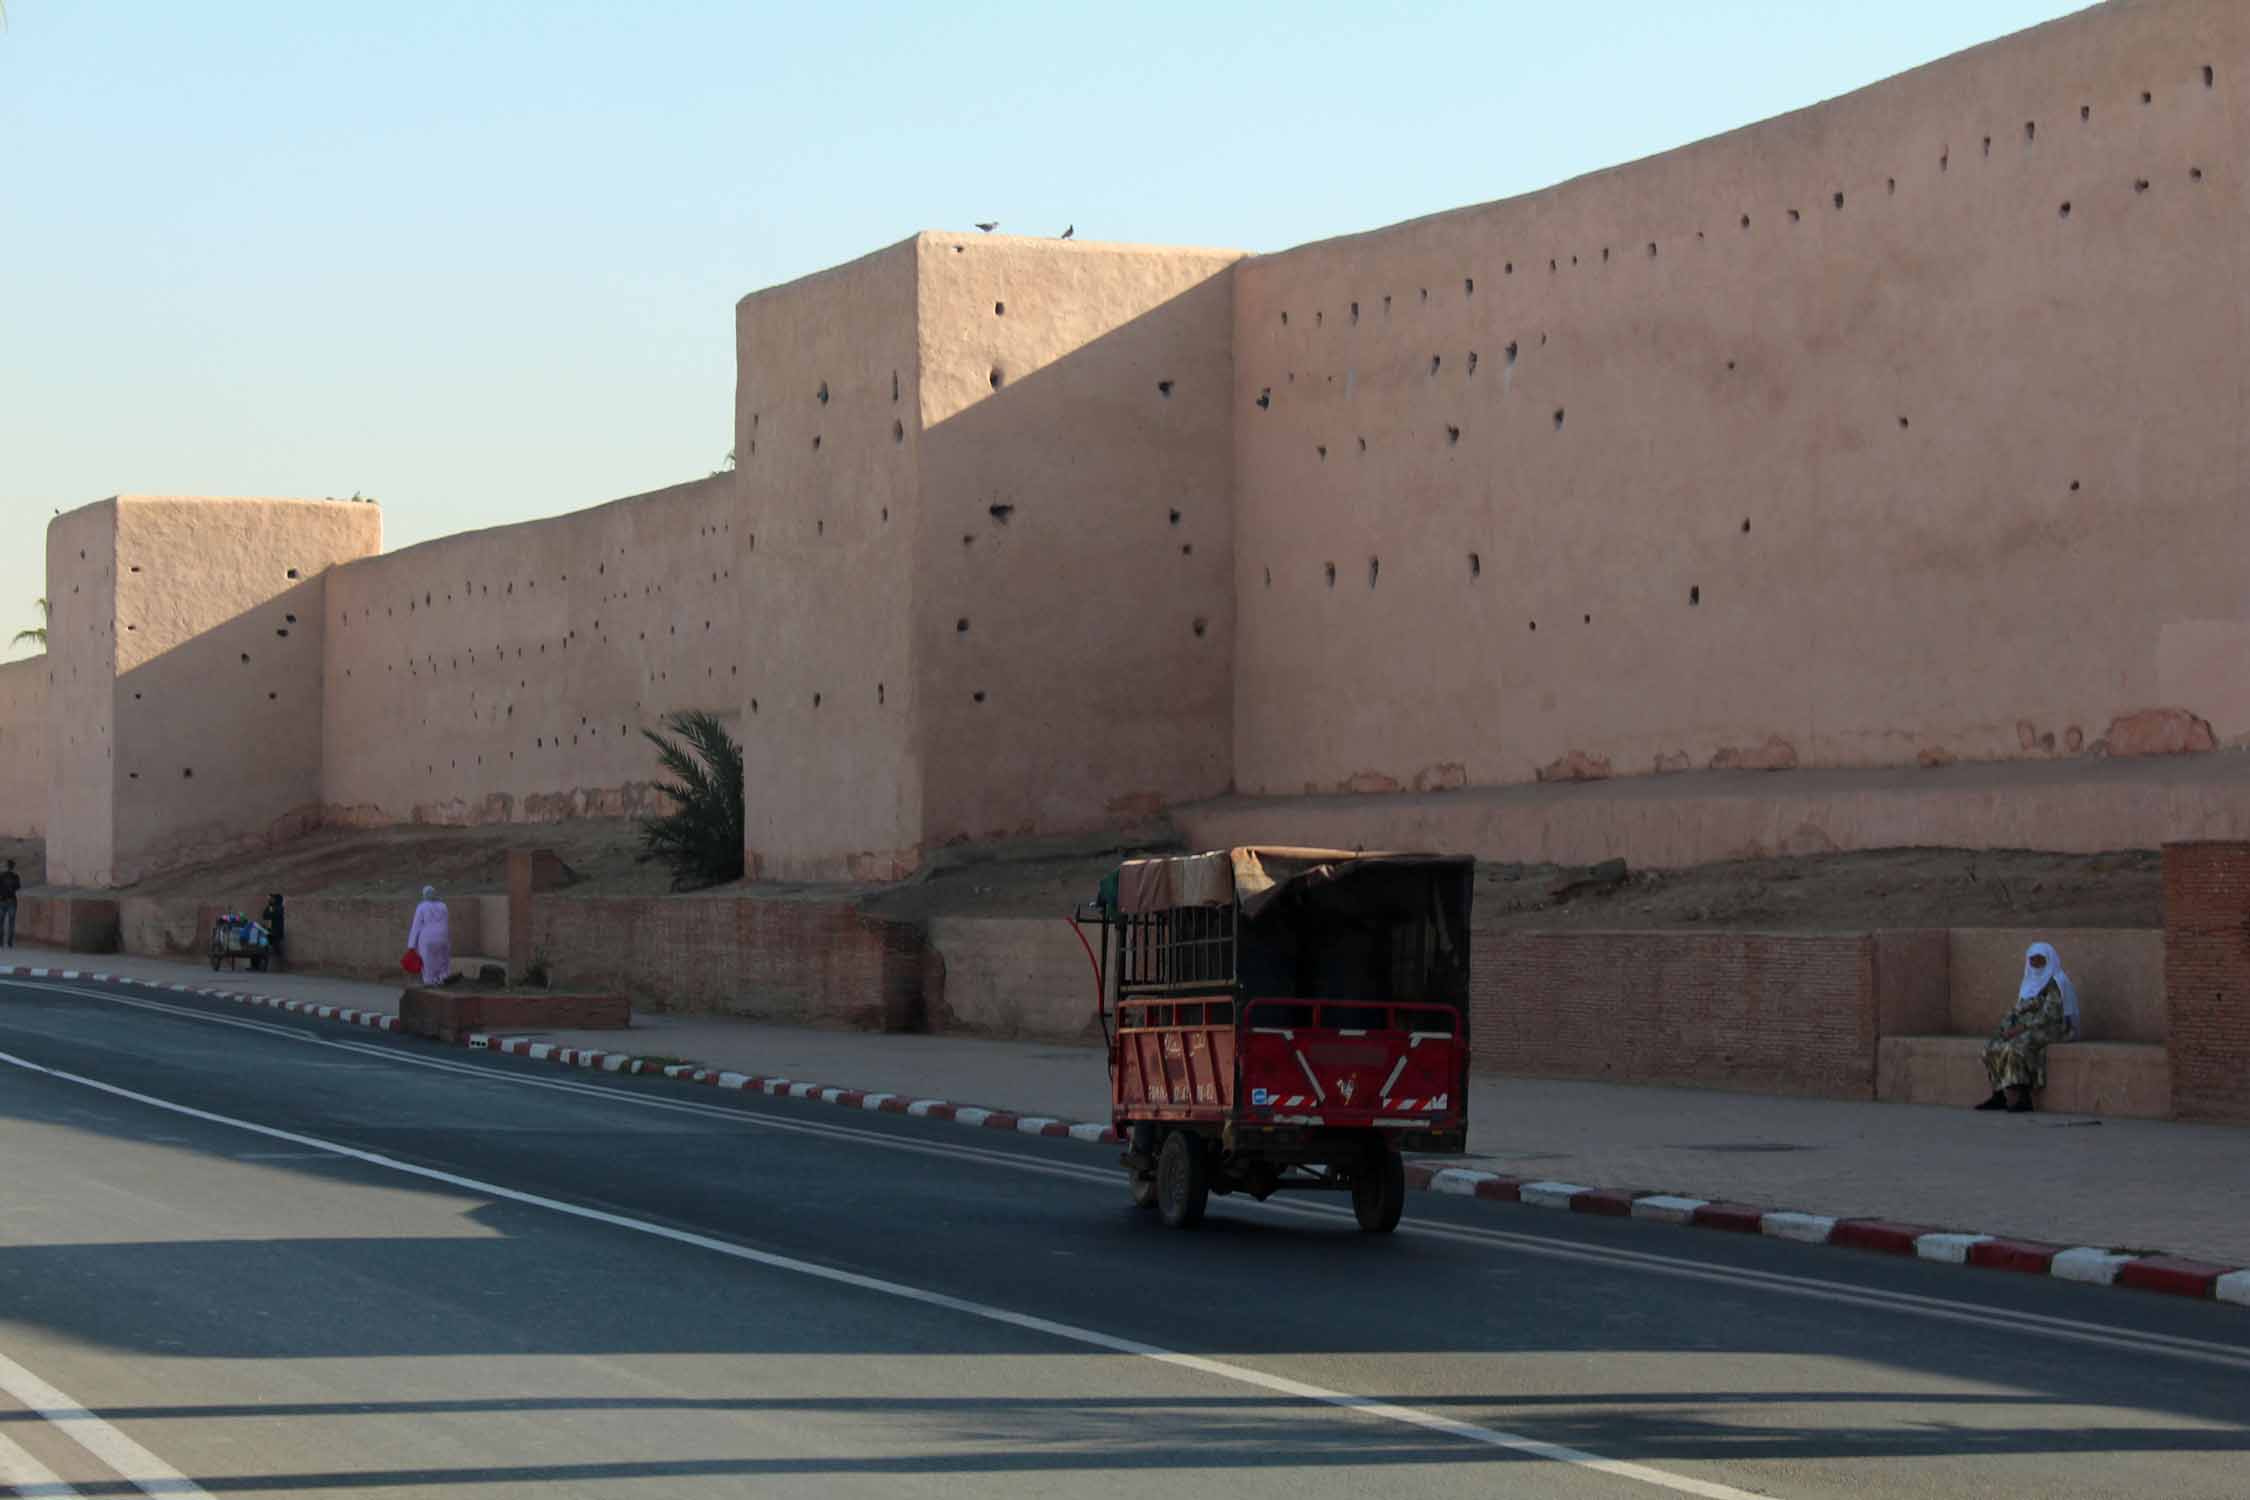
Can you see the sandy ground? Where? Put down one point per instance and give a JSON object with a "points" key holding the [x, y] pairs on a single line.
{"points": [[1882, 888]]}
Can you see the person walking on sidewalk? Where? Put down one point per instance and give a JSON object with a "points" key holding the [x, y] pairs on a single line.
{"points": [[276, 921], [432, 937], [10, 884], [2046, 1011]]}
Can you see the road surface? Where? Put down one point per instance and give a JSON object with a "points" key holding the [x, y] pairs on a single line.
{"points": [[251, 1257]]}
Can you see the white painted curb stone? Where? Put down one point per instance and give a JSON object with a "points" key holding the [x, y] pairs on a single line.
{"points": [[1550, 1194], [1666, 1208], [1953, 1249], [2094, 1267], [1460, 1182], [1807, 1229], [2233, 1287]]}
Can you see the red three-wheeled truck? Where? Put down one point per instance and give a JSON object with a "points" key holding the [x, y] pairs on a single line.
{"points": [[1285, 1019]]}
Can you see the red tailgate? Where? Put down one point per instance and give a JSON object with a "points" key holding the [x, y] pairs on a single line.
{"points": [[1341, 1063]]}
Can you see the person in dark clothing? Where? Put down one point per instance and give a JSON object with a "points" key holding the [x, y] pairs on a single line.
{"points": [[10, 884], [275, 919]]}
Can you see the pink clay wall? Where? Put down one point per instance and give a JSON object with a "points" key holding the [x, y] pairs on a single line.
{"points": [[185, 719], [1074, 610], [23, 749], [826, 438], [506, 675], [1905, 427]]}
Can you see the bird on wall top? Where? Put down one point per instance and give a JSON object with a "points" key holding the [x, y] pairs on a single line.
{"points": [[988, 225], [1067, 233]]}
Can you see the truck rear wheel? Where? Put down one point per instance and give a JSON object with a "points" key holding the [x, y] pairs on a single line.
{"points": [[1183, 1181], [1379, 1197]]}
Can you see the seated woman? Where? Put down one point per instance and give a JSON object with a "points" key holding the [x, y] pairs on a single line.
{"points": [[2046, 1010]]}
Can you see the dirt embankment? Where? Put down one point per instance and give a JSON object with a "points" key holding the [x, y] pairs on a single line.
{"points": [[1876, 889]]}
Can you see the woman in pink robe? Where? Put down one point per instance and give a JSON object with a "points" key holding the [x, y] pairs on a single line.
{"points": [[432, 937]]}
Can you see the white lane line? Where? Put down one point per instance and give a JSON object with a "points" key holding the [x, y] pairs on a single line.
{"points": [[146, 1472], [130, 1459], [26, 1477], [1612, 1258]]}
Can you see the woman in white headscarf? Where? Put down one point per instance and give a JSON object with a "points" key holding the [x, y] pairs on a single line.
{"points": [[432, 937], [2046, 1010]]}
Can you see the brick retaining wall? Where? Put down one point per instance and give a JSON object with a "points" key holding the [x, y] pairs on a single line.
{"points": [[1757, 1012], [2207, 978]]}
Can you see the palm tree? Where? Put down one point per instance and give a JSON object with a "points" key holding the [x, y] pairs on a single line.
{"points": [[701, 837], [37, 634]]}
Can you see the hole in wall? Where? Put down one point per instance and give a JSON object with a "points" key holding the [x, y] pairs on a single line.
{"points": [[1652, 249], [1730, 364], [1374, 570], [2085, 113], [1988, 146], [282, 631], [1265, 398], [1891, 186], [961, 626], [2195, 174], [999, 309], [187, 773], [1558, 419], [1187, 549], [2074, 486], [1535, 627], [898, 432], [1285, 317], [1322, 450], [2063, 212], [1452, 434], [1363, 445], [1330, 569], [823, 393], [1509, 269], [1355, 313], [1164, 388], [1605, 255], [886, 514], [1745, 525], [1589, 619], [2030, 131], [894, 385], [878, 692], [996, 377], [816, 700], [1201, 626], [816, 442], [1838, 200], [2210, 76], [2140, 184], [2147, 97], [1511, 353], [1468, 286], [1796, 217], [1476, 565], [1746, 221], [1435, 361], [292, 572], [291, 619], [1695, 594], [1945, 161], [1472, 361], [1000, 512], [978, 695], [1903, 424], [1174, 515], [1269, 578], [1425, 294], [1319, 317]]}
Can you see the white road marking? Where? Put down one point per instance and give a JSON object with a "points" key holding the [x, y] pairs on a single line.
{"points": [[139, 1465], [1613, 1258], [26, 1477], [146, 1472]]}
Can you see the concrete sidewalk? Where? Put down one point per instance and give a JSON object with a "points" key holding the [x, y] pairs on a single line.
{"points": [[2128, 1184]]}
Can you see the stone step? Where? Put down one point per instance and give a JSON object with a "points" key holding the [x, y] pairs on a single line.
{"points": [[2125, 1080]]}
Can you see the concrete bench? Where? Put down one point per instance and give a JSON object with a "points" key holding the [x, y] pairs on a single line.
{"points": [[2130, 1080]]}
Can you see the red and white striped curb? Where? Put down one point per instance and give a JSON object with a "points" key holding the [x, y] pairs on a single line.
{"points": [[374, 1020], [2092, 1265], [2098, 1267], [790, 1088]]}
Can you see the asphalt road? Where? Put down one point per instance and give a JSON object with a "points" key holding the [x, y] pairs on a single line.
{"points": [[242, 1256]]}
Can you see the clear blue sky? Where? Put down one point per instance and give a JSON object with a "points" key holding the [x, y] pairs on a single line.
{"points": [[479, 259]]}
